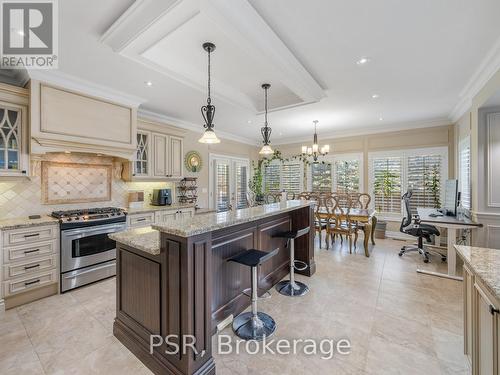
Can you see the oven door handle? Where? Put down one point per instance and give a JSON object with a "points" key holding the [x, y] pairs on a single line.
{"points": [[93, 269], [84, 232]]}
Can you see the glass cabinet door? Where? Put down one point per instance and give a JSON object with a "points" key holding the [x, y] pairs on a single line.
{"points": [[141, 163], [10, 139]]}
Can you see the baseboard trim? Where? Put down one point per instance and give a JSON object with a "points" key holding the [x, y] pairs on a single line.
{"points": [[2, 306]]}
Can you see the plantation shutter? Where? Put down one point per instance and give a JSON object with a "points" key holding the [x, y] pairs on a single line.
{"points": [[347, 175], [387, 184], [465, 174], [222, 189], [290, 177], [321, 176], [424, 178], [272, 178], [241, 186]]}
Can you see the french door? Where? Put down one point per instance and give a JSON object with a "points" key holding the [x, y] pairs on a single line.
{"points": [[229, 179]]}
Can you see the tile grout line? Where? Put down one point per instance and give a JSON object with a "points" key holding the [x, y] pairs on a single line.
{"points": [[31, 342]]}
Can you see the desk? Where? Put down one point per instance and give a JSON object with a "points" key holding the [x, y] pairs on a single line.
{"points": [[451, 223], [361, 215]]}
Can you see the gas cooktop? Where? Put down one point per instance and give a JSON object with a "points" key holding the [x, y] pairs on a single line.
{"points": [[90, 216]]}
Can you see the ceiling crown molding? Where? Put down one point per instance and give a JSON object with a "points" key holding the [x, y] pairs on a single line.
{"points": [[90, 88], [345, 133], [488, 67], [141, 31], [173, 121]]}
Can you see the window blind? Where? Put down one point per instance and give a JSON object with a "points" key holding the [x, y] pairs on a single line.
{"points": [[321, 176], [290, 177], [424, 178], [347, 175], [465, 173], [241, 186], [272, 178], [222, 187], [387, 183]]}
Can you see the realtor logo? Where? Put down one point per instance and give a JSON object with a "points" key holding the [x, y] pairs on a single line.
{"points": [[29, 34]]}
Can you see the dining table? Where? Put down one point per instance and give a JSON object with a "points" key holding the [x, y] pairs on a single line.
{"points": [[364, 216]]}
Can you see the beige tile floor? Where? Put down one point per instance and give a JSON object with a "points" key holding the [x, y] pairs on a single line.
{"points": [[398, 322]]}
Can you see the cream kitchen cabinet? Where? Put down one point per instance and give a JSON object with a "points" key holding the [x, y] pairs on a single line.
{"points": [[14, 140], [173, 214], [159, 153], [485, 328], [29, 264], [468, 288], [142, 219]]}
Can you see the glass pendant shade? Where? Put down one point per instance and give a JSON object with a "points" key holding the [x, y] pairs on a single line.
{"points": [[304, 149], [209, 137], [266, 150]]}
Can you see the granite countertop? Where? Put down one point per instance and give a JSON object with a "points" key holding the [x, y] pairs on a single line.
{"points": [[149, 208], [208, 222], [25, 222], [145, 239], [485, 263]]}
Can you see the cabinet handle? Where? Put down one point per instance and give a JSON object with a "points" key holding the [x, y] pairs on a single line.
{"points": [[31, 235], [30, 267], [494, 310], [141, 219], [31, 282], [23, 172], [31, 251]]}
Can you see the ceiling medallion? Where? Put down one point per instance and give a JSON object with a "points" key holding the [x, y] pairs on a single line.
{"points": [[315, 151], [266, 130], [208, 111]]}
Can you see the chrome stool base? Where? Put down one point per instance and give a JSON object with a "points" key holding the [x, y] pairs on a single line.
{"points": [[249, 327], [285, 287]]}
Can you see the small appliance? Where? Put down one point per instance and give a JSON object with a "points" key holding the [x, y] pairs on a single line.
{"points": [[161, 197]]}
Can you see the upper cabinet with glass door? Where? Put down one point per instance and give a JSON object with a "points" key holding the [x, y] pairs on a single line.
{"points": [[14, 154], [141, 163]]}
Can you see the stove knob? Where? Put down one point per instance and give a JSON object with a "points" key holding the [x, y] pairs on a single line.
{"points": [[112, 214], [69, 219]]}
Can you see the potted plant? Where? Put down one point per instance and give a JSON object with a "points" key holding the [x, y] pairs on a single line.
{"points": [[385, 185]]}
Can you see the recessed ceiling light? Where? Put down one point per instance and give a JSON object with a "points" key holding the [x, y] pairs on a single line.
{"points": [[148, 83], [67, 152], [381, 119], [375, 96], [363, 61], [249, 121], [20, 32]]}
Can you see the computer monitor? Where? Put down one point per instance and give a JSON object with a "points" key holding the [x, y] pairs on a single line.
{"points": [[450, 198]]}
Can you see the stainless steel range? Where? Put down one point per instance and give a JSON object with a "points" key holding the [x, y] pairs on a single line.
{"points": [[87, 254]]}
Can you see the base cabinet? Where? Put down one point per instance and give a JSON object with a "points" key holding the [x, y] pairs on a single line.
{"points": [[481, 326]]}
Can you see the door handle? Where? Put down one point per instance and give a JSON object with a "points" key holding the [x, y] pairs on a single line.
{"points": [[493, 310]]}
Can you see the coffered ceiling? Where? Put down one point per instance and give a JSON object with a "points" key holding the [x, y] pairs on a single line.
{"points": [[424, 59]]}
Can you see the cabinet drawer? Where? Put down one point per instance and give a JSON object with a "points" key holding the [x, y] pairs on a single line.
{"points": [[141, 220], [29, 267], [29, 251], [165, 216], [23, 284], [29, 235]]}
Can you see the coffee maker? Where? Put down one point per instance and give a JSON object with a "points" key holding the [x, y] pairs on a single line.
{"points": [[161, 197]]}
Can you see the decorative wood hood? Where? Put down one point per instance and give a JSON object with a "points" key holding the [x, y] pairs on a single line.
{"points": [[70, 116]]}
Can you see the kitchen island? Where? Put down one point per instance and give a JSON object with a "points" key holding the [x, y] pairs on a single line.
{"points": [[182, 285]]}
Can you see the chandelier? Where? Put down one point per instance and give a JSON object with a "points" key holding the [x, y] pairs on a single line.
{"points": [[315, 151], [208, 111], [266, 130]]}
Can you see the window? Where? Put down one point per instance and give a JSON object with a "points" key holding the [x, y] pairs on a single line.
{"points": [[464, 173], [392, 173], [272, 177], [347, 175], [283, 176], [321, 176], [291, 177], [424, 178], [387, 184], [222, 187], [241, 185]]}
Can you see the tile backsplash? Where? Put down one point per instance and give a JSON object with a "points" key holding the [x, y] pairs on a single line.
{"points": [[24, 197]]}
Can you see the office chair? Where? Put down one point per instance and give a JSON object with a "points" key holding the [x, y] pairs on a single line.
{"points": [[411, 225]]}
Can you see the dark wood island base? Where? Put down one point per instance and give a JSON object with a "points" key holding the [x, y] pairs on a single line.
{"points": [[189, 287]]}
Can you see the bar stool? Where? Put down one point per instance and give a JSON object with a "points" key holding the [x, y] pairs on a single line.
{"points": [[291, 287], [254, 325]]}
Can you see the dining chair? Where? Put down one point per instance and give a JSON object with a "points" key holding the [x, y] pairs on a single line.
{"points": [[272, 197], [361, 200], [339, 221], [320, 221]]}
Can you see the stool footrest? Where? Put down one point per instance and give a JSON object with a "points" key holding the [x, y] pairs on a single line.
{"points": [[248, 292], [300, 265]]}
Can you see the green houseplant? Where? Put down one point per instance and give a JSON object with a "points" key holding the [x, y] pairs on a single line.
{"points": [[385, 185]]}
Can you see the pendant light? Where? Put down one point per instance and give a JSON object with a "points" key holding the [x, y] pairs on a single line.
{"points": [[315, 151], [266, 130], [208, 111]]}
